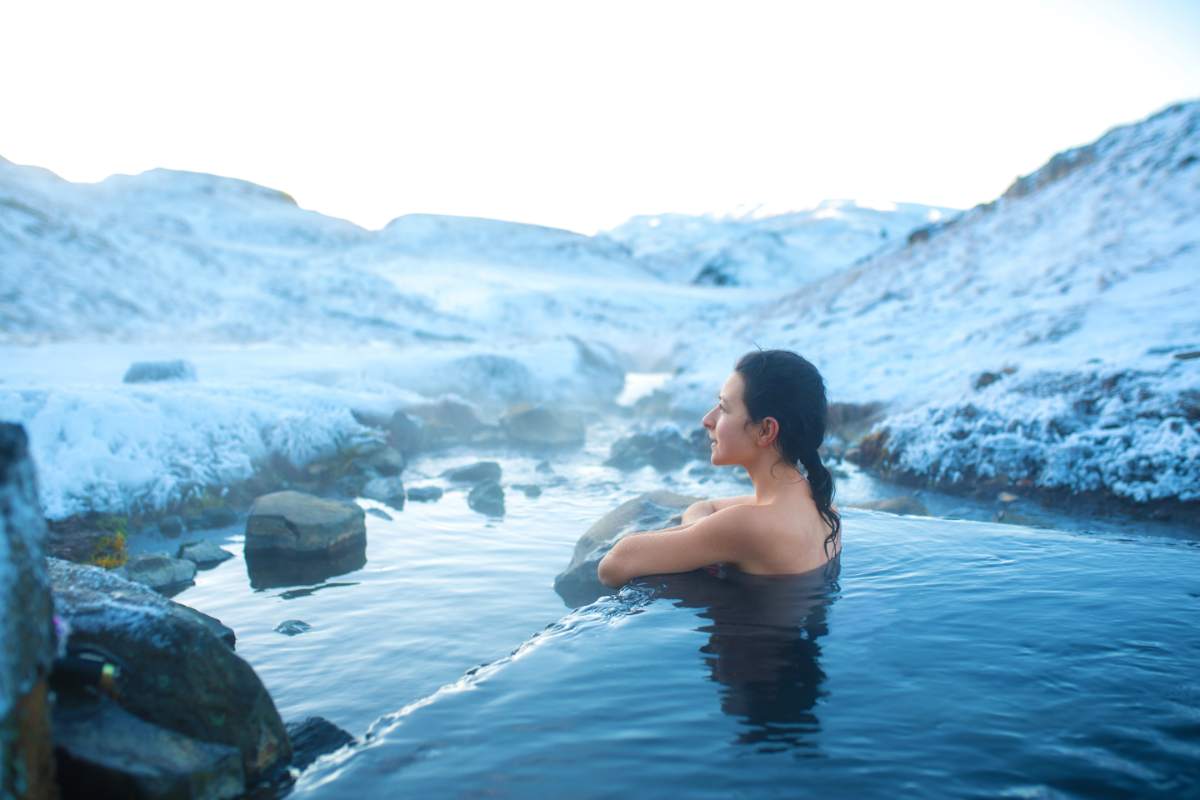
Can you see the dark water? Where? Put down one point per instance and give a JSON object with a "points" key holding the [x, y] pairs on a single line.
{"points": [[943, 658]]}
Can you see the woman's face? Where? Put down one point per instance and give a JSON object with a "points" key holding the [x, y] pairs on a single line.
{"points": [[727, 425]]}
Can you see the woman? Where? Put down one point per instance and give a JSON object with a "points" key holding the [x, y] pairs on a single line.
{"points": [[770, 420]]}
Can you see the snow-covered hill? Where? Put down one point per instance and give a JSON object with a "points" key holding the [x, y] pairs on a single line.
{"points": [[1045, 338], [776, 251]]}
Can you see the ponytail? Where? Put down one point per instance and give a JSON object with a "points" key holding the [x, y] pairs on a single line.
{"points": [[821, 483]]}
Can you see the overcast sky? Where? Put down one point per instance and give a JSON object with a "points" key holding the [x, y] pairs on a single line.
{"points": [[580, 115]]}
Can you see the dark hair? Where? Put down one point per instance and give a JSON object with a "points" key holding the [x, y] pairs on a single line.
{"points": [[783, 385]]}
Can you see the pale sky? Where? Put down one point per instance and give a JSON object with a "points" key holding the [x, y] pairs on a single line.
{"points": [[582, 114]]}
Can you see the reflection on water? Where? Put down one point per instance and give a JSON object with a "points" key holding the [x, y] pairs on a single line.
{"points": [[763, 647]]}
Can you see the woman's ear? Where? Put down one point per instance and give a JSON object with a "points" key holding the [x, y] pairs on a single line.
{"points": [[768, 431]]}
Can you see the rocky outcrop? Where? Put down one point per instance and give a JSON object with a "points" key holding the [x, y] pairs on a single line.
{"points": [[176, 674], [664, 449], [155, 371], [578, 584], [26, 628]]}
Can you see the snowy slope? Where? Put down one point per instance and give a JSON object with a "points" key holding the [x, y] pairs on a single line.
{"points": [[779, 250], [1078, 288]]}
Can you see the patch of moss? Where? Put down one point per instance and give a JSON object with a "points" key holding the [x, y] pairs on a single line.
{"points": [[109, 551]]}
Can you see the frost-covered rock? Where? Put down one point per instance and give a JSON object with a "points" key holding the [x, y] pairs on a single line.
{"points": [[26, 632], [155, 371], [578, 584], [176, 672]]}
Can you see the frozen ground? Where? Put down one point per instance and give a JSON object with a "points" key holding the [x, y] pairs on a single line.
{"points": [[1042, 338]]}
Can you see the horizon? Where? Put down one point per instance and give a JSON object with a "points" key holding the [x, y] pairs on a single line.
{"points": [[374, 115]]}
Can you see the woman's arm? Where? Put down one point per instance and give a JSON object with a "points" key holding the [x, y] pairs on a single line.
{"points": [[704, 508], [711, 540]]}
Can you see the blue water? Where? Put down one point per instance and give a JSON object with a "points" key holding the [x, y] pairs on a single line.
{"points": [[944, 658]]}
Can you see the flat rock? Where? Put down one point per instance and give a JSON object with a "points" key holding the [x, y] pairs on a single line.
{"points": [[424, 494], [176, 671], [478, 472], [295, 524], [203, 553], [159, 571], [386, 490], [155, 371], [540, 427], [578, 584], [104, 751], [313, 738], [487, 498]]}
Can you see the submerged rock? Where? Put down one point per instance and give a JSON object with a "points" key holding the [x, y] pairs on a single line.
{"points": [[424, 494], [543, 428], [203, 554], [26, 630], [159, 571], [313, 738], [578, 584], [487, 498], [474, 473], [155, 371], [293, 627], [664, 449], [176, 672]]}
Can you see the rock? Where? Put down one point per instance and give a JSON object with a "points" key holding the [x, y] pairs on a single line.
{"points": [[176, 672], [424, 494], [474, 473], [542, 428], [216, 517], [385, 490], [404, 433], [871, 451], [155, 371], [664, 449], [452, 422], [379, 513], [293, 537], [293, 627], [291, 523], [313, 738], [159, 571], [529, 489], [104, 751], [545, 467], [487, 498], [386, 462], [26, 628], [905, 505], [578, 584], [171, 526], [203, 554]]}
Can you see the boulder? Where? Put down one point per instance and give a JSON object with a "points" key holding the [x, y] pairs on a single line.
{"points": [[104, 751], [203, 554], [26, 627], [385, 490], [294, 538], [313, 738], [664, 449], [424, 494], [578, 584], [474, 473], [543, 428], [160, 572], [155, 371], [175, 671], [487, 498], [171, 526]]}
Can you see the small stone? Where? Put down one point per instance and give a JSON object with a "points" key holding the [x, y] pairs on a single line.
{"points": [[487, 498], [313, 738], [529, 489], [171, 526], [425, 494], [293, 627], [380, 513], [478, 472], [203, 554]]}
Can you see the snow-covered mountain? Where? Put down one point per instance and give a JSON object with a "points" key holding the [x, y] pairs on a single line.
{"points": [[1046, 338], [777, 251]]}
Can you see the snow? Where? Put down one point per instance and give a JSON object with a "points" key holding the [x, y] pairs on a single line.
{"points": [[1080, 282]]}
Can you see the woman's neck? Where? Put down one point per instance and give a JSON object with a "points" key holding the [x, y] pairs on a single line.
{"points": [[770, 476]]}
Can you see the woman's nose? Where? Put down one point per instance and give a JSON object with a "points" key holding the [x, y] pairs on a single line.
{"points": [[707, 421]]}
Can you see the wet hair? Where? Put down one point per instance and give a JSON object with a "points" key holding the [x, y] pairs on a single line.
{"points": [[786, 386]]}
